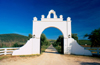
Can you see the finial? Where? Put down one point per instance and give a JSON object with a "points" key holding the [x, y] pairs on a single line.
{"points": [[35, 19], [42, 16], [61, 16], [68, 19]]}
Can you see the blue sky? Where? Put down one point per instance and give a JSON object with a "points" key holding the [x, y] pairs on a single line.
{"points": [[16, 15]]}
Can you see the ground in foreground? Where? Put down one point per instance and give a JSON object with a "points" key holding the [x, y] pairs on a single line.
{"points": [[51, 57]]}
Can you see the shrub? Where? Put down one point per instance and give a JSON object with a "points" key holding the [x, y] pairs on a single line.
{"points": [[16, 45]]}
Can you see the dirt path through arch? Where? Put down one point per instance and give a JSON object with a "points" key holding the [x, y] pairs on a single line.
{"points": [[51, 57]]}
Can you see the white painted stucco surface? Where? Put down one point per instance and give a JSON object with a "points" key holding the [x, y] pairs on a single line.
{"points": [[33, 45]]}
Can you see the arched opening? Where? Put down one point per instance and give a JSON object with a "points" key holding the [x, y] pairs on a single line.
{"points": [[51, 15], [54, 37]]}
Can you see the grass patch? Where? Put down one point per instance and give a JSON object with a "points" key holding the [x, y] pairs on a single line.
{"points": [[10, 56], [82, 56], [29, 55], [5, 56], [92, 49]]}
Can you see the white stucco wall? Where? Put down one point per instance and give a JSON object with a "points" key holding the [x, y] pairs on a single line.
{"points": [[31, 47], [39, 27], [75, 48]]}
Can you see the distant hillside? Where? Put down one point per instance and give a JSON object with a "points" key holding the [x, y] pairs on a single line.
{"points": [[83, 42], [13, 37], [8, 40], [51, 41]]}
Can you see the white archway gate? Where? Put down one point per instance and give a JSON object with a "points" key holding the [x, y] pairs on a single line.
{"points": [[33, 45], [63, 26]]}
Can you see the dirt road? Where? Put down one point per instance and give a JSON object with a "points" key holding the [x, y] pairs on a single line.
{"points": [[51, 57]]}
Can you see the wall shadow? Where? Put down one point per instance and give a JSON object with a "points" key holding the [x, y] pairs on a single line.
{"points": [[90, 63], [52, 52]]}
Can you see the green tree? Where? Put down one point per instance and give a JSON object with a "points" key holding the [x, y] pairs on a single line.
{"points": [[43, 37], [16, 45], [75, 37], [59, 44], [43, 40], [29, 36], [94, 37], [44, 43], [60, 40]]}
